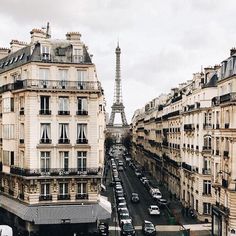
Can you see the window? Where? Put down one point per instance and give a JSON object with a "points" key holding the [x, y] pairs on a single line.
{"points": [[82, 106], [45, 161], [82, 77], [22, 105], [45, 52], [82, 133], [45, 133], [44, 76], [63, 191], [45, 189], [8, 131], [207, 142], [8, 105], [22, 132], [196, 205], [78, 56], [63, 106], [21, 159], [82, 191], [44, 105], [63, 75], [64, 160], [206, 187], [64, 133], [81, 161], [206, 208]]}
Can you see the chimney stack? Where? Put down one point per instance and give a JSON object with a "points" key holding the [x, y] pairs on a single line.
{"points": [[232, 51], [37, 34], [16, 45], [4, 52], [75, 36]]}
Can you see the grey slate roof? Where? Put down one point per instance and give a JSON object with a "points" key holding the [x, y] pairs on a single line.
{"points": [[55, 214]]}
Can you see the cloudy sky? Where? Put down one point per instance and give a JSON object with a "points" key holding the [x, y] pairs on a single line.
{"points": [[163, 42]]}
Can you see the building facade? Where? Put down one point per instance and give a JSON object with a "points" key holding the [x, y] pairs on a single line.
{"points": [[52, 135], [186, 140]]}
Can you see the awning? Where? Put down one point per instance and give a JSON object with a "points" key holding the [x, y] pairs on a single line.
{"points": [[58, 214]]}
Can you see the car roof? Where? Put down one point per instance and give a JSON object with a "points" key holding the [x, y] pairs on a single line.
{"points": [[153, 206]]}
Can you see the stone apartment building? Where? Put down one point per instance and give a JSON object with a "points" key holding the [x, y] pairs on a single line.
{"points": [[186, 140], [52, 135]]}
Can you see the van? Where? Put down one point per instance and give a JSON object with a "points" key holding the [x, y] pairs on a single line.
{"points": [[6, 230]]}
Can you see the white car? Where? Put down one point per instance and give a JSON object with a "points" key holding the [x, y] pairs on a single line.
{"points": [[157, 195], [154, 210]]}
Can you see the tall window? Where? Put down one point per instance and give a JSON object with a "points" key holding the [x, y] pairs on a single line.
{"points": [[44, 76], [45, 133], [22, 132], [207, 142], [63, 189], [45, 52], [206, 187], [44, 105], [63, 106], [45, 189], [45, 161], [64, 133], [206, 208], [81, 161], [63, 75], [82, 76], [82, 191], [64, 160], [82, 106], [82, 133], [8, 105]]}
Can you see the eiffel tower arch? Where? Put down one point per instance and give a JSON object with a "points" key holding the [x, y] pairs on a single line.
{"points": [[117, 108]]}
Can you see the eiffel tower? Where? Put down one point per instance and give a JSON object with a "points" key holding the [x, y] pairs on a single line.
{"points": [[118, 107]]}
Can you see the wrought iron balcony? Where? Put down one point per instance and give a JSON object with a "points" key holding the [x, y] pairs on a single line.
{"points": [[206, 149], [82, 141], [186, 166], [55, 171], [64, 113], [206, 171], [229, 97], [81, 196], [45, 112], [63, 197], [47, 197], [45, 141], [189, 127], [64, 141], [82, 113]]}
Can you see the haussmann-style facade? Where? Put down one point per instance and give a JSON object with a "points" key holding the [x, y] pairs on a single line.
{"points": [[52, 135], [187, 140]]}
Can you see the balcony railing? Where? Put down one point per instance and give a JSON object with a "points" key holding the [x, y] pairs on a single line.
{"points": [[45, 141], [64, 113], [55, 171], [82, 113], [188, 127], [82, 141], [45, 112], [186, 166], [63, 197], [206, 171], [81, 196], [64, 141], [228, 97], [47, 197], [206, 149]]}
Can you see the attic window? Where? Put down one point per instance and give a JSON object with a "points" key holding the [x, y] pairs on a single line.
{"points": [[61, 51], [22, 56]]}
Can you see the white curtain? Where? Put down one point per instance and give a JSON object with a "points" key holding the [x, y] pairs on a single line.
{"points": [[84, 131], [60, 104], [66, 131], [66, 104], [78, 131], [84, 104]]}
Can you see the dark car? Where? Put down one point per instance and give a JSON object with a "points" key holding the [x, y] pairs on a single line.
{"points": [[135, 198], [103, 229], [162, 202], [148, 228], [127, 229]]}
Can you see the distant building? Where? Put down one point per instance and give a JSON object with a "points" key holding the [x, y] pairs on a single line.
{"points": [[186, 139], [52, 135]]}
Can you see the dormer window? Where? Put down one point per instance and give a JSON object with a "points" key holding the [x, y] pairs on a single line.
{"points": [[78, 55], [45, 53]]}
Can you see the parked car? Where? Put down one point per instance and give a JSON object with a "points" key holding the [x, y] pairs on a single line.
{"points": [[157, 195], [127, 229], [148, 228], [162, 202], [135, 198], [153, 210], [125, 218], [123, 211], [103, 229], [138, 173]]}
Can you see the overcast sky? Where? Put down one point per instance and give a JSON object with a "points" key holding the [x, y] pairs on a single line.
{"points": [[163, 42]]}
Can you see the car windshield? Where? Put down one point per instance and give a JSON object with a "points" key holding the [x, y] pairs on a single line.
{"points": [[149, 225], [128, 227]]}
